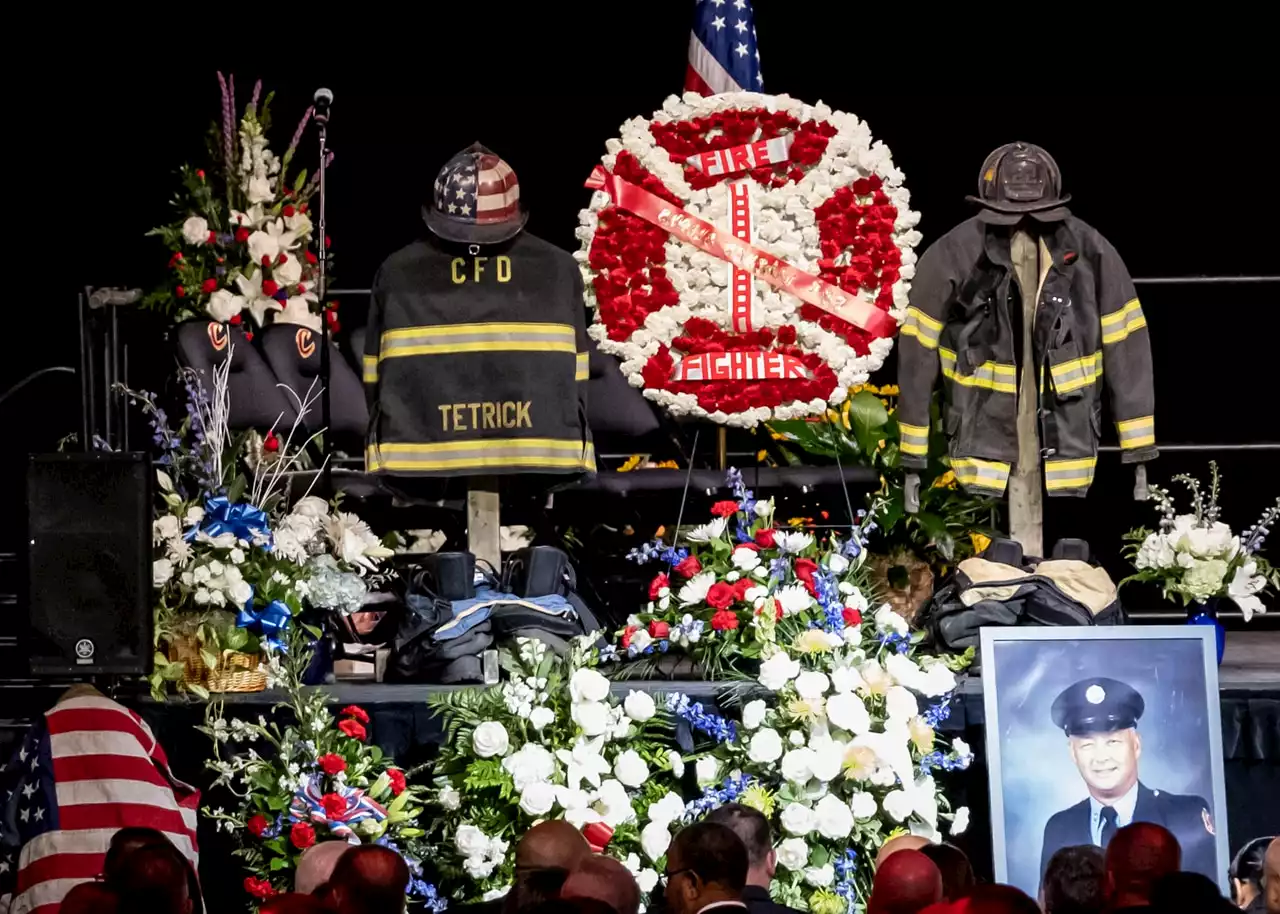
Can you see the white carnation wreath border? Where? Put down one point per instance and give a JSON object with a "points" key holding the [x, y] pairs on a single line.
{"points": [[785, 225]]}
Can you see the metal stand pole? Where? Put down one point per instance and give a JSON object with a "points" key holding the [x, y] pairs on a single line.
{"points": [[326, 482]]}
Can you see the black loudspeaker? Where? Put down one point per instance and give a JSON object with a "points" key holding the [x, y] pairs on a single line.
{"points": [[89, 561]]}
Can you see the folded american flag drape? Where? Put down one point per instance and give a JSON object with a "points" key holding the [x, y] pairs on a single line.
{"points": [[87, 769]]}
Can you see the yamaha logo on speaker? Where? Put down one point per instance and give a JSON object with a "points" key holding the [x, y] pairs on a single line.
{"points": [[84, 651]]}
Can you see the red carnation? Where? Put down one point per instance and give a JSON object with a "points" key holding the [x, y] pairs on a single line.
{"points": [[851, 616], [257, 825], [398, 784], [248, 335], [208, 286], [283, 258], [301, 288], [302, 835], [720, 595], [242, 234], [724, 620], [180, 292], [724, 508], [234, 320], [333, 805], [659, 629], [258, 888], [689, 567], [288, 210], [271, 443], [269, 287], [656, 585], [357, 712], [266, 260], [213, 236], [332, 764], [627, 634], [311, 258], [740, 588], [764, 539], [200, 173], [353, 729]]}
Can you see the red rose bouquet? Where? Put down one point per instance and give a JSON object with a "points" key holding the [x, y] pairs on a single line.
{"points": [[302, 783], [739, 582]]}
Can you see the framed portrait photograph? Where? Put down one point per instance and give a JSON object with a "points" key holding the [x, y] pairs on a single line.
{"points": [[1090, 729]]}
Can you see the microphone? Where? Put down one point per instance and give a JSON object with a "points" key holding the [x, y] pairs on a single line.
{"points": [[322, 100]]}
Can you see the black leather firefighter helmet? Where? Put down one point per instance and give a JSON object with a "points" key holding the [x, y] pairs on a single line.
{"points": [[1019, 179]]}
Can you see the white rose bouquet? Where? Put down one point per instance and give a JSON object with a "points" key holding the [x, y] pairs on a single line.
{"points": [[551, 743], [841, 755], [1196, 557]]}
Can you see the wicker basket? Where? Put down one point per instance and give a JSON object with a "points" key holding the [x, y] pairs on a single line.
{"points": [[238, 672]]}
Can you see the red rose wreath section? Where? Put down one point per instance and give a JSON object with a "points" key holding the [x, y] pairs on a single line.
{"points": [[747, 332]]}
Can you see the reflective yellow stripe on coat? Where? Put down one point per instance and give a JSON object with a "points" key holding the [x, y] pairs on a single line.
{"points": [[989, 375], [1077, 373], [1117, 325], [1140, 432], [532, 453], [1073, 473], [924, 328], [915, 439], [986, 477], [371, 369], [446, 339]]}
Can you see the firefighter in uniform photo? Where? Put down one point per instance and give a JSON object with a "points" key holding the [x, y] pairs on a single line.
{"points": [[1100, 718]]}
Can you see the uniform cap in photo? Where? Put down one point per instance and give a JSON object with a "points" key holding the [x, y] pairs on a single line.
{"points": [[1097, 705], [475, 199]]}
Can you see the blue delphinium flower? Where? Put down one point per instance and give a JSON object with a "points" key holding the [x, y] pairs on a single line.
{"points": [[718, 728], [714, 797]]}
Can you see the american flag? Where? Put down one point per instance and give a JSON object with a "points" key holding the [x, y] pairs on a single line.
{"points": [[86, 770], [722, 49], [476, 186]]}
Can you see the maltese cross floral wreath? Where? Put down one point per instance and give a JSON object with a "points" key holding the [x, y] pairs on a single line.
{"points": [[747, 256]]}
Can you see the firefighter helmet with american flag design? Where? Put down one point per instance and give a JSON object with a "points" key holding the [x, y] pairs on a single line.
{"points": [[475, 199]]}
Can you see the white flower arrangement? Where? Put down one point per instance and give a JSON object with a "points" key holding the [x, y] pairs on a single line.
{"points": [[783, 224], [1197, 558], [841, 756], [552, 742]]}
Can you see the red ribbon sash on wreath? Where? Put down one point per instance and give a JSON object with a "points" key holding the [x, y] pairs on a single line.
{"points": [[765, 266]]}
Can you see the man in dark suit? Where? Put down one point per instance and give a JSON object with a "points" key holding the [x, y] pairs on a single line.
{"points": [[1100, 718], [753, 828]]}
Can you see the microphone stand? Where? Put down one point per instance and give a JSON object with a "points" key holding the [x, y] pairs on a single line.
{"points": [[326, 481]]}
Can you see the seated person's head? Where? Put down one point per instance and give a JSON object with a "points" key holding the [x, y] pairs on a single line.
{"points": [[1073, 881], [316, 864], [1271, 876], [1188, 893], [89, 898], [599, 880], [1246, 871], [553, 844], [906, 882], [1138, 856], [294, 903], [752, 828], [369, 880], [706, 863], [956, 870], [154, 879], [533, 888], [899, 843], [125, 842], [998, 899]]}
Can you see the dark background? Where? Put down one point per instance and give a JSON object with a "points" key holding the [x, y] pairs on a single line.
{"points": [[1167, 151]]}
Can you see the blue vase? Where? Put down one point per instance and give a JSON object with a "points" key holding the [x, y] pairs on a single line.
{"points": [[1207, 614]]}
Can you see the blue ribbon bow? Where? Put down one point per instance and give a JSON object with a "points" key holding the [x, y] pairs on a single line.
{"points": [[240, 520], [269, 622]]}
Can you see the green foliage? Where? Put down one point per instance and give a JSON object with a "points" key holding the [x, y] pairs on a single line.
{"points": [[865, 432]]}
